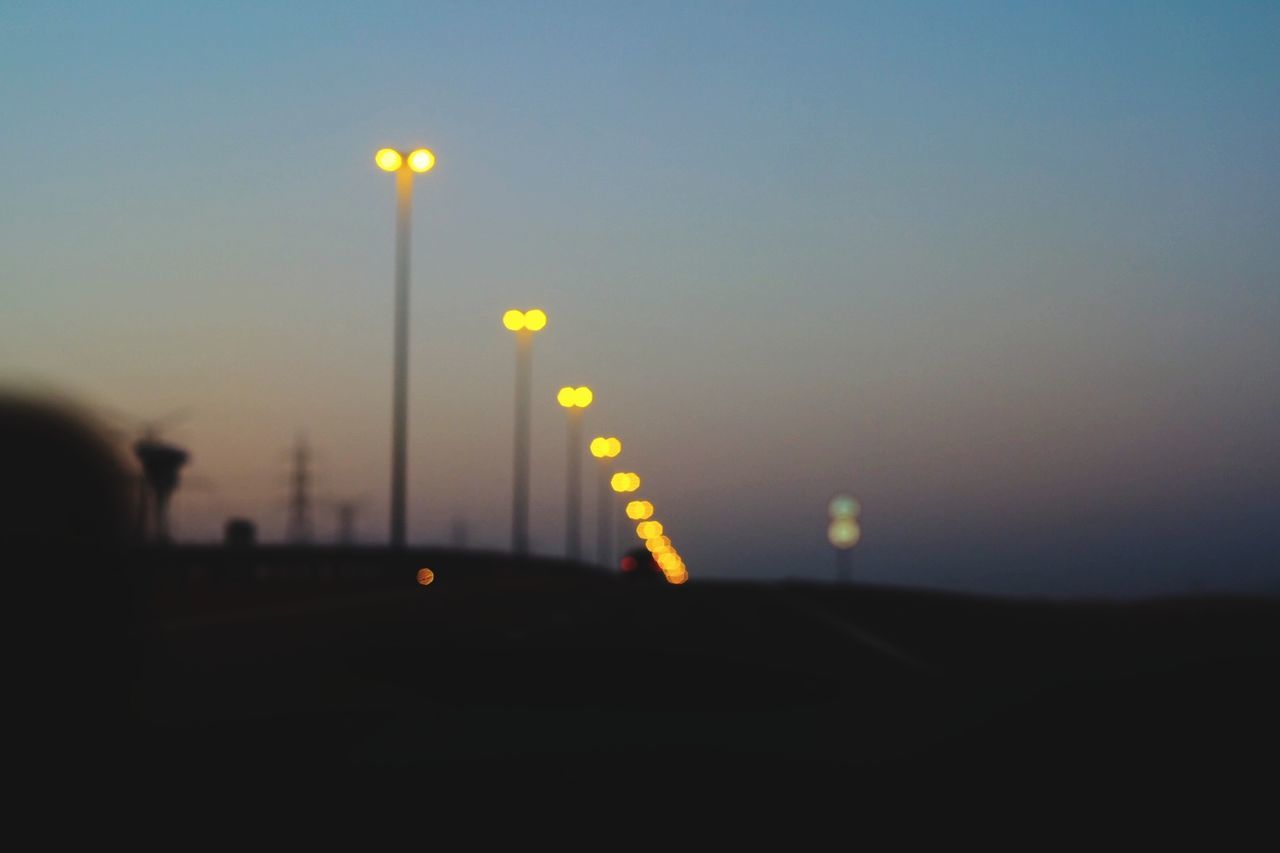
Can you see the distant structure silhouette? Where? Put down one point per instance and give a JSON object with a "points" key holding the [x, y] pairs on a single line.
{"points": [[347, 511], [161, 462], [240, 533], [65, 517], [300, 531]]}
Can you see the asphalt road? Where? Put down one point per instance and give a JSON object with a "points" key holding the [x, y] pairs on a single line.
{"points": [[585, 671]]}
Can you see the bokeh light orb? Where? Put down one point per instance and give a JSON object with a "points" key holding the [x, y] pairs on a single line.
{"points": [[582, 397], [599, 445], [843, 506], [421, 160], [844, 533], [614, 447], [388, 159], [535, 319], [565, 397], [514, 320], [425, 577]]}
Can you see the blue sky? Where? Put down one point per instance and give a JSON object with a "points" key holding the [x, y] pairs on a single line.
{"points": [[1008, 272]]}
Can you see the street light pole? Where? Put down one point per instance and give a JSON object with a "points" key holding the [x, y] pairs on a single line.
{"points": [[603, 449], [400, 392], [524, 324], [520, 497], [573, 495], [574, 400], [604, 498], [404, 166]]}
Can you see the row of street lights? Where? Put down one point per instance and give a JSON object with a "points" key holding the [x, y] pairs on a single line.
{"points": [[574, 400]]}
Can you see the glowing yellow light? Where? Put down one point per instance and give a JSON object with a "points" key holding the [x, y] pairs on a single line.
{"points": [[658, 544], [598, 447], [639, 510], [514, 320], [582, 397], [678, 578], [844, 533], [649, 529], [388, 159], [426, 576], [614, 448], [535, 319], [421, 160], [624, 481], [565, 397]]}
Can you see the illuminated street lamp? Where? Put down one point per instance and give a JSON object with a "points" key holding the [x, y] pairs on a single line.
{"points": [[405, 166], [624, 481], [574, 401], [639, 510], [604, 448], [524, 324], [843, 531]]}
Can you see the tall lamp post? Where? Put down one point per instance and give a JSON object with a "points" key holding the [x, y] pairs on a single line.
{"points": [[574, 401], [623, 482], [843, 531], [524, 324], [404, 165], [604, 449]]}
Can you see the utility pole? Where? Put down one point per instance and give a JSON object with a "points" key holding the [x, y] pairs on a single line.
{"points": [[299, 527]]}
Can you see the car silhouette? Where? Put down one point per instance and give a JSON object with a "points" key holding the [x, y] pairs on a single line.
{"points": [[638, 566]]}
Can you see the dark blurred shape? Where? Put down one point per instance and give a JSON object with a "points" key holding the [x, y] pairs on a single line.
{"points": [[240, 533], [639, 566], [66, 522], [161, 463]]}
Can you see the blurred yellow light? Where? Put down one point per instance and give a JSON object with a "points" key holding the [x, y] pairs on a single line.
{"points": [[619, 482], [565, 397], [639, 510], [615, 447], [649, 529], [658, 544], [598, 447], [679, 578], [388, 159], [582, 397], [515, 320], [421, 160], [535, 319], [634, 482], [844, 533], [426, 576]]}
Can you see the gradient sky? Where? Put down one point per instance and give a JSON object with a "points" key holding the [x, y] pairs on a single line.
{"points": [[1009, 273]]}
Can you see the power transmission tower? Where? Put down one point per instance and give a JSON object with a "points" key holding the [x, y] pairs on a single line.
{"points": [[299, 528]]}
